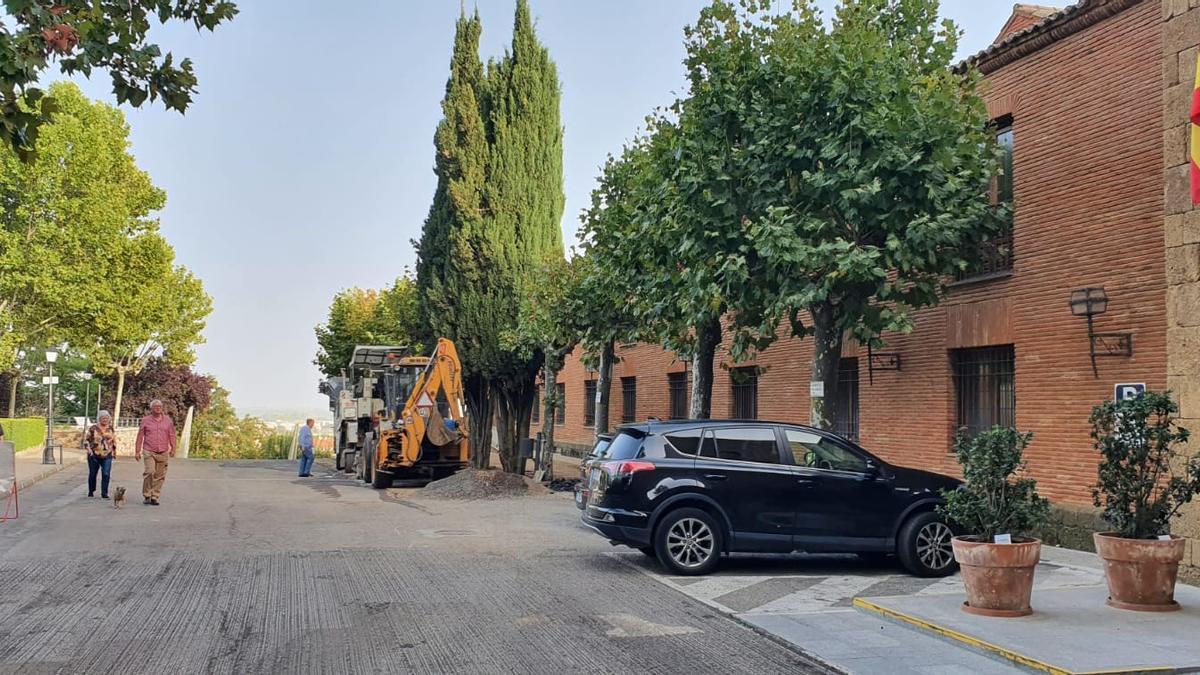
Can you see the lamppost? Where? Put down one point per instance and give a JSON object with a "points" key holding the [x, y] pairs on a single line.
{"points": [[48, 451], [1090, 302], [87, 396]]}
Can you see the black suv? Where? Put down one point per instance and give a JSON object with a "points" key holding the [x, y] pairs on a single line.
{"points": [[688, 491]]}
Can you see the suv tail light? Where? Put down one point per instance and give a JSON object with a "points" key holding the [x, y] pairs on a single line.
{"points": [[629, 468]]}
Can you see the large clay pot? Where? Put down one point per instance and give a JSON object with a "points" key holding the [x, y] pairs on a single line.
{"points": [[1141, 573], [998, 577]]}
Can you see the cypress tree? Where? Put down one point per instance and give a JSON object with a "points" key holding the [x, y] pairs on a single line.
{"points": [[524, 193], [495, 217], [451, 269]]}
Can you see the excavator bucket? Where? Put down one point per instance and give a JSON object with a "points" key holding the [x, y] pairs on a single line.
{"points": [[437, 432]]}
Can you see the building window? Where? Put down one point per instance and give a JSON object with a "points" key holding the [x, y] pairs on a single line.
{"points": [[846, 420], [628, 399], [560, 407], [744, 393], [536, 417], [677, 393], [589, 403], [996, 254], [984, 388]]}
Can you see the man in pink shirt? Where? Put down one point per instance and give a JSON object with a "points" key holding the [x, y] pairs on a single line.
{"points": [[156, 435]]}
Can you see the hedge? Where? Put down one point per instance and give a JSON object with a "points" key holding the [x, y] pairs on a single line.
{"points": [[25, 433]]}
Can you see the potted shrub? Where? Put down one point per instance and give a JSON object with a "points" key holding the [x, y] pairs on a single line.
{"points": [[998, 508], [1144, 480]]}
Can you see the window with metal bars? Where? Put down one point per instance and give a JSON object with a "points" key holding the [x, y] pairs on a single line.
{"points": [[589, 403], [996, 254], [985, 389], [628, 399], [743, 384], [845, 422], [677, 394], [560, 407], [536, 416]]}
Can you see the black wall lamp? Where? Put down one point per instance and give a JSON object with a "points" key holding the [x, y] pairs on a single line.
{"points": [[1090, 302]]}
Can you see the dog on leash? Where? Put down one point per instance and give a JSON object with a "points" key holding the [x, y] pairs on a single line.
{"points": [[118, 498]]}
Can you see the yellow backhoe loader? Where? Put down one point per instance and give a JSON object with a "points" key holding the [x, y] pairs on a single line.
{"points": [[427, 436]]}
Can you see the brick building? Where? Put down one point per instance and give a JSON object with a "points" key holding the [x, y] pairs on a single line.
{"points": [[1091, 103]]}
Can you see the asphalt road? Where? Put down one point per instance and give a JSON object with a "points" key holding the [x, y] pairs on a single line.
{"points": [[246, 568]]}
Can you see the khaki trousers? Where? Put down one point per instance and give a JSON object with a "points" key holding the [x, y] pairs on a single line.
{"points": [[154, 472]]}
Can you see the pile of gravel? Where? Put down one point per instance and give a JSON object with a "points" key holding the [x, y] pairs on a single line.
{"points": [[483, 484]]}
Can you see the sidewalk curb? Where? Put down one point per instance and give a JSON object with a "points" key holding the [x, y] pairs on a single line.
{"points": [[982, 645]]}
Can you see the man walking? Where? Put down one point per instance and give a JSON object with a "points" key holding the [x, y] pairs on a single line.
{"points": [[156, 435], [306, 448]]}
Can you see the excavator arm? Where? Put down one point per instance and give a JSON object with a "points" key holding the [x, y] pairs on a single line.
{"points": [[422, 435]]}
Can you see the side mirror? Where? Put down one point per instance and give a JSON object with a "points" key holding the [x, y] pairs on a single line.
{"points": [[872, 470]]}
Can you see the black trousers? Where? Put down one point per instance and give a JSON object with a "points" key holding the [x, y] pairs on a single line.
{"points": [[103, 465]]}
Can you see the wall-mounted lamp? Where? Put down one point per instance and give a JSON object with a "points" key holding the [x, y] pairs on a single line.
{"points": [[1090, 302]]}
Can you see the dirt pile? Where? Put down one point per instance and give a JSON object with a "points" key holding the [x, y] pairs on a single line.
{"points": [[474, 484]]}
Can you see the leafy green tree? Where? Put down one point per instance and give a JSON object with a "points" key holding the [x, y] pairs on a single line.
{"points": [[362, 317], [218, 432], [163, 313], [822, 179], [67, 219], [88, 35]]}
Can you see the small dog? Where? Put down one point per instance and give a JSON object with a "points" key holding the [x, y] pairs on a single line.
{"points": [[118, 498]]}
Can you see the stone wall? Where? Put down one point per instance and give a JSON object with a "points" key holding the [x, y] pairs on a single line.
{"points": [[1181, 32]]}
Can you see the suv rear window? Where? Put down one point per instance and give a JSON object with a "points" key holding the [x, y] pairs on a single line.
{"points": [[625, 445], [600, 448]]}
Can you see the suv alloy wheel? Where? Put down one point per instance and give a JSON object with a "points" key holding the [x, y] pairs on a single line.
{"points": [[924, 546], [688, 542]]}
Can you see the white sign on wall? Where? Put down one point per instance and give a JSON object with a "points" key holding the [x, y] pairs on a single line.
{"points": [[816, 389]]}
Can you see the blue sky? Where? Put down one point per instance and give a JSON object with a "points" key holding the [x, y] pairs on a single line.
{"points": [[305, 164]]}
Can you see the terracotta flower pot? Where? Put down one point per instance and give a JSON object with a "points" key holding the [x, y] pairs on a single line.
{"points": [[1141, 573], [998, 577]]}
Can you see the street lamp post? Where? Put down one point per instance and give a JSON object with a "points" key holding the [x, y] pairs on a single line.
{"points": [[48, 451], [87, 396]]}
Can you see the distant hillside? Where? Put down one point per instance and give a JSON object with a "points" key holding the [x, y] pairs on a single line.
{"points": [[269, 413]]}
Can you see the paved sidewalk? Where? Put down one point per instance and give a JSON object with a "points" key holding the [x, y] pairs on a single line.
{"points": [[31, 470], [1072, 630]]}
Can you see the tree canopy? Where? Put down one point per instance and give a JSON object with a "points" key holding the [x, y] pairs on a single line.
{"points": [[88, 35], [360, 317]]}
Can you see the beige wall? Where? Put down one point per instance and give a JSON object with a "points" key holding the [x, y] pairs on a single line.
{"points": [[1181, 32]]}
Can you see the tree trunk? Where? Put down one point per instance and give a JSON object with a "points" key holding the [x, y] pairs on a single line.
{"points": [[14, 378], [479, 407], [514, 403], [120, 392], [603, 388], [549, 408], [827, 353], [708, 338]]}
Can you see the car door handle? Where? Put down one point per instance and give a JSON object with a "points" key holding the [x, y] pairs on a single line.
{"points": [[806, 482], [715, 476]]}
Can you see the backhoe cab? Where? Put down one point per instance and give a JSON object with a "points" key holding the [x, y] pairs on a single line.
{"points": [[421, 431]]}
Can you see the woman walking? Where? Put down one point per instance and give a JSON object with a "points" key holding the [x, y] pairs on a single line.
{"points": [[101, 444]]}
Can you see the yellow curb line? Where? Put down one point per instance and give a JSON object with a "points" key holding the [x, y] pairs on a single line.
{"points": [[1015, 657]]}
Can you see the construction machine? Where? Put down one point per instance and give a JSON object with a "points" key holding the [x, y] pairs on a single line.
{"points": [[359, 398], [422, 432]]}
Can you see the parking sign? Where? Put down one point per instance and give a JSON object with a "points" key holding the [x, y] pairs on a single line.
{"points": [[1124, 392]]}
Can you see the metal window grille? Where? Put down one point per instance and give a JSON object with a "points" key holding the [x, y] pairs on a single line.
{"points": [[996, 254], [677, 391], [846, 421], [744, 393], [589, 403], [536, 417], [984, 388], [628, 399], [560, 408]]}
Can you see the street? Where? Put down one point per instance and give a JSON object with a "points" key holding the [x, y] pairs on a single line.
{"points": [[246, 568]]}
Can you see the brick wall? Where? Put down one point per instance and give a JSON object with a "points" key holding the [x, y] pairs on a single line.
{"points": [[1180, 33], [1087, 118]]}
